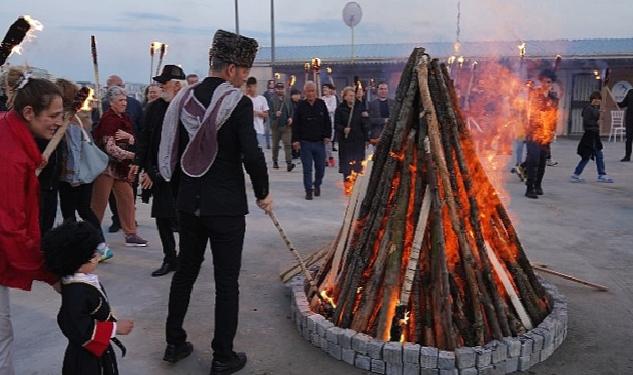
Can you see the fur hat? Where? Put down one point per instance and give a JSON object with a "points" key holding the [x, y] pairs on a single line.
{"points": [[69, 246], [233, 49]]}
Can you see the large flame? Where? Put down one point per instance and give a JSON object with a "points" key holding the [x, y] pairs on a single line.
{"points": [[87, 104], [327, 298], [30, 35]]}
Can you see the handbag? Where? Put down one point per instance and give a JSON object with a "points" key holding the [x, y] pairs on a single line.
{"points": [[92, 161]]}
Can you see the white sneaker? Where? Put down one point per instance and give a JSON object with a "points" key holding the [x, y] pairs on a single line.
{"points": [[605, 178], [576, 178]]}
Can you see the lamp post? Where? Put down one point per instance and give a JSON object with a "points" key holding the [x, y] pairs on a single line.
{"points": [[237, 18]]}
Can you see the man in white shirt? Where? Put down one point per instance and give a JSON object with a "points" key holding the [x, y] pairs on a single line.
{"points": [[260, 110], [331, 102]]}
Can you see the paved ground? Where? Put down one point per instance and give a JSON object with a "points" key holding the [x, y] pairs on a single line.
{"points": [[584, 229]]}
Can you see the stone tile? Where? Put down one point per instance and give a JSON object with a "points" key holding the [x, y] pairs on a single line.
{"points": [[362, 362], [465, 358], [392, 352], [359, 343], [375, 348], [378, 366], [428, 357], [411, 353], [446, 360], [349, 356]]}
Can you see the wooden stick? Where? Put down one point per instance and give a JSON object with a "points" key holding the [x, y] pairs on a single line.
{"points": [[507, 285], [545, 269], [53, 143], [413, 263], [291, 272], [95, 65]]}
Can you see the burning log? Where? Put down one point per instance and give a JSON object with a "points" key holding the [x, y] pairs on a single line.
{"points": [[429, 255]]}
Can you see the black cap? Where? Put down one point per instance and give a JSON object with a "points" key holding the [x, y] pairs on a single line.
{"points": [[170, 72], [280, 85]]}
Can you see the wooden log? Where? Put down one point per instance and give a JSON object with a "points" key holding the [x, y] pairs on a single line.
{"points": [[440, 160], [565, 276], [459, 316], [310, 260], [391, 283]]}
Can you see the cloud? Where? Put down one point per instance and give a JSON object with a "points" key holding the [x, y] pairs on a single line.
{"points": [[151, 16]]}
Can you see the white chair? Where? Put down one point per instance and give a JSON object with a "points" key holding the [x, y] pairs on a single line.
{"points": [[617, 126]]}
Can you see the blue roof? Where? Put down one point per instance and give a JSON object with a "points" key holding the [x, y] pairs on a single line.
{"points": [[606, 48]]}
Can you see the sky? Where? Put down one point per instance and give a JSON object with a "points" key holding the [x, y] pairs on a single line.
{"points": [[124, 28]]}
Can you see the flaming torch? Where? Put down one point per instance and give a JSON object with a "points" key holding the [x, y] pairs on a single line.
{"points": [[306, 69], [357, 86], [95, 65], [81, 98], [163, 52], [22, 30], [329, 75], [316, 73]]}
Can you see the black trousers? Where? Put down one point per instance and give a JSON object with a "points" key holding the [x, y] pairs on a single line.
{"points": [[48, 209], [165, 228], [629, 142], [76, 199], [114, 210], [535, 163], [226, 235]]}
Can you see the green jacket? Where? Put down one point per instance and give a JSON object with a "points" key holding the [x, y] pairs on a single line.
{"points": [[287, 111]]}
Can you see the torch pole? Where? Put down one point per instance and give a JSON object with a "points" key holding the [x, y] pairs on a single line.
{"points": [[151, 62], [95, 65], [163, 50]]}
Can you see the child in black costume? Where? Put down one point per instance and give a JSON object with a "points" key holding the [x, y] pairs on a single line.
{"points": [[85, 318]]}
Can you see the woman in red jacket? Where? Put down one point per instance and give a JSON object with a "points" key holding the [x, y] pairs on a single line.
{"points": [[37, 112]]}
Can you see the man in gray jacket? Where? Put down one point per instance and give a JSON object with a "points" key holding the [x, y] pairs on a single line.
{"points": [[379, 112]]}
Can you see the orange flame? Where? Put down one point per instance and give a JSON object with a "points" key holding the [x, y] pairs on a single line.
{"points": [[327, 298], [87, 105]]}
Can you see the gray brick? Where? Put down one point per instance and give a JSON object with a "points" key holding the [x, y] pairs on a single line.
{"points": [[349, 356], [394, 369], [378, 366], [316, 340], [307, 335], [428, 357], [411, 369], [345, 338], [392, 352], [335, 351], [499, 351], [486, 370], [359, 343], [499, 368], [411, 353], [324, 344], [524, 363], [449, 372], [514, 346], [537, 341], [446, 360], [332, 334], [465, 357], [312, 322], [468, 371], [429, 371], [374, 348], [546, 353], [484, 357], [363, 362], [548, 335], [526, 345], [512, 365], [323, 326], [535, 359]]}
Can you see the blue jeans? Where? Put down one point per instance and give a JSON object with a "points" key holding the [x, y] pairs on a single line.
{"points": [[312, 152], [518, 150], [599, 164]]}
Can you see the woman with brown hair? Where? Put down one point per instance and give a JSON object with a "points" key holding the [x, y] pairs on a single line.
{"points": [[352, 134], [37, 112], [114, 135]]}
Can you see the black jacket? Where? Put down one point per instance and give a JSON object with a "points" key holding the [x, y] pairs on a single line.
{"points": [[311, 123], [359, 132], [222, 191], [590, 142], [628, 104]]}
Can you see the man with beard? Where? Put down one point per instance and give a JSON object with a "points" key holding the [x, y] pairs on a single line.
{"points": [[171, 80], [207, 141]]}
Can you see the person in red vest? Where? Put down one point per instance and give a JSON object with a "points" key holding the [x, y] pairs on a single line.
{"points": [[37, 112]]}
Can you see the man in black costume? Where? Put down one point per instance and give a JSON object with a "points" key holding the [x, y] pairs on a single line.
{"points": [[171, 80], [207, 141]]}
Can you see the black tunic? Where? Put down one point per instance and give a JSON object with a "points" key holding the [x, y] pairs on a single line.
{"points": [[222, 191], [86, 320], [164, 203], [351, 149]]}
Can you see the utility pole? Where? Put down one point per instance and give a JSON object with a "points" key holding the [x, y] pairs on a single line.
{"points": [[272, 35], [237, 18]]}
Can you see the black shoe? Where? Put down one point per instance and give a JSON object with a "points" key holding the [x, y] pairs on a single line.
{"points": [[291, 166], [530, 193], [538, 190], [309, 195], [626, 159], [164, 269], [175, 353], [235, 364], [115, 227], [317, 191], [275, 165]]}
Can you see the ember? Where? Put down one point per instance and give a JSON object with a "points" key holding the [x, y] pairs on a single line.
{"points": [[427, 252]]}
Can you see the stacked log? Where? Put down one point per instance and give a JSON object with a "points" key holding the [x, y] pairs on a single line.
{"points": [[427, 252]]}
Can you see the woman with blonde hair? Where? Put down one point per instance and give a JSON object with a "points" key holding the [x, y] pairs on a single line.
{"points": [[115, 137]]}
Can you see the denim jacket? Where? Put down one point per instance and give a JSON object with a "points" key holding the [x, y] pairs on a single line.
{"points": [[73, 146]]}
